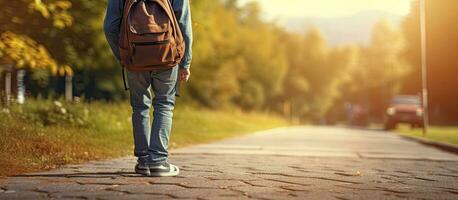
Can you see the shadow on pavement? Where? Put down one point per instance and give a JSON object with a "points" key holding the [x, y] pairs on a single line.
{"points": [[82, 175], [363, 128]]}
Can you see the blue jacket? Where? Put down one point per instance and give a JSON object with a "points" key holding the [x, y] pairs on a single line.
{"points": [[112, 24]]}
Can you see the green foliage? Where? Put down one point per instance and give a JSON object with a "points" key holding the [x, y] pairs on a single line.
{"points": [[316, 73], [384, 56], [239, 59], [54, 113], [55, 9], [252, 95], [27, 16], [43, 135], [20, 21], [241, 50], [445, 134], [40, 135], [24, 51], [380, 70]]}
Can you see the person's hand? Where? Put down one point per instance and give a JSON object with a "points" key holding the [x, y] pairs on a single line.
{"points": [[184, 74]]}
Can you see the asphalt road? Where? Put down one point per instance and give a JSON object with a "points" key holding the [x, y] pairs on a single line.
{"points": [[286, 163]]}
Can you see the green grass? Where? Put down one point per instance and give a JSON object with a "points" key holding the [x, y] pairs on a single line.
{"points": [[43, 134], [441, 134]]}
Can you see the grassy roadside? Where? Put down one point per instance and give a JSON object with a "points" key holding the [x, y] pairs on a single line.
{"points": [[441, 134], [44, 134]]}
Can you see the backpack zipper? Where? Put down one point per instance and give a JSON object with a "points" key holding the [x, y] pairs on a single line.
{"points": [[151, 43], [147, 44]]}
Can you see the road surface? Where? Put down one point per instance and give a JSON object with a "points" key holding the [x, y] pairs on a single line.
{"points": [[285, 163]]}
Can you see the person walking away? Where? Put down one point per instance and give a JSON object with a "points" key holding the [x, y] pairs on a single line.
{"points": [[152, 39]]}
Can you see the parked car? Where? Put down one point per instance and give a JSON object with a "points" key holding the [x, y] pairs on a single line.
{"points": [[404, 109]]}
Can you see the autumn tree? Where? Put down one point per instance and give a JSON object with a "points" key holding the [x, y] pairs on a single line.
{"points": [[380, 70], [19, 21], [441, 46], [315, 74], [240, 61], [411, 28]]}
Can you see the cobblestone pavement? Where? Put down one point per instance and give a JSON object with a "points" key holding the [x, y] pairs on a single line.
{"points": [[289, 163]]}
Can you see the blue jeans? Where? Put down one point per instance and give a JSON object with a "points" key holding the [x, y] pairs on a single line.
{"points": [[151, 142]]}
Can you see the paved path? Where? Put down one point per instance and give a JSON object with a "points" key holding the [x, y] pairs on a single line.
{"points": [[289, 163]]}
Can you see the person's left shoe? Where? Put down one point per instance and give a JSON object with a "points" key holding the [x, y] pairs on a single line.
{"points": [[142, 169]]}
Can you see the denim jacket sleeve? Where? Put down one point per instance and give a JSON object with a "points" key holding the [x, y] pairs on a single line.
{"points": [[112, 25], [183, 13]]}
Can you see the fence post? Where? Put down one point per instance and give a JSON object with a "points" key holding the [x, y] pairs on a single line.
{"points": [[20, 86], [8, 81], [69, 87]]}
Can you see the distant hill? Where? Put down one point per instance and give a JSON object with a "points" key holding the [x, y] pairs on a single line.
{"points": [[351, 29]]}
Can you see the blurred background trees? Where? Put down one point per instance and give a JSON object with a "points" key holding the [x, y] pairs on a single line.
{"points": [[240, 60], [20, 47], [19, 44], [442, 46]]}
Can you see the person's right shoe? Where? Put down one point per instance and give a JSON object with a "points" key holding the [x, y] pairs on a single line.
{"points": [[164, 169]]}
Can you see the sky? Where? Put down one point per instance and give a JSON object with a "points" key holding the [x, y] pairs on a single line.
{"points": [[341, 21], [287, 9]]}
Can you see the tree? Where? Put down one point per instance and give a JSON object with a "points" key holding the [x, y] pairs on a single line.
{"points": [[315, 74], [442, 42], [238, 60], [17, 44], [411, 28], [381, 70]]}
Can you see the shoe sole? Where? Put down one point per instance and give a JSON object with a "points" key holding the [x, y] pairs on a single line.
{"points": [[175, 172], [144, 172]]}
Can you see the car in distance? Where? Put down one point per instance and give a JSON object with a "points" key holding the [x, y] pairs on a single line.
{"points": [[404, 109]]}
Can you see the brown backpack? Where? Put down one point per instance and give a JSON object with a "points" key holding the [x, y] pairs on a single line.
{"points": [[150, 37]]}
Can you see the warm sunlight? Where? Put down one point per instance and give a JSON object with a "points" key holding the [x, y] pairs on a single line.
{"points": [[228, 99], [328, 8]]}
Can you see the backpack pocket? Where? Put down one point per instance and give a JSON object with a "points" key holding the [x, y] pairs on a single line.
{"points": [[124, 53], [152, 53]]}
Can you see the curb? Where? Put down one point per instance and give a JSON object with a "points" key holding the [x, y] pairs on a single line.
{"points": [[440, 145]]}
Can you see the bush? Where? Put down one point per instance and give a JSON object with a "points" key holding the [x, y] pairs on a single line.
{"points": [[49, 113]]}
